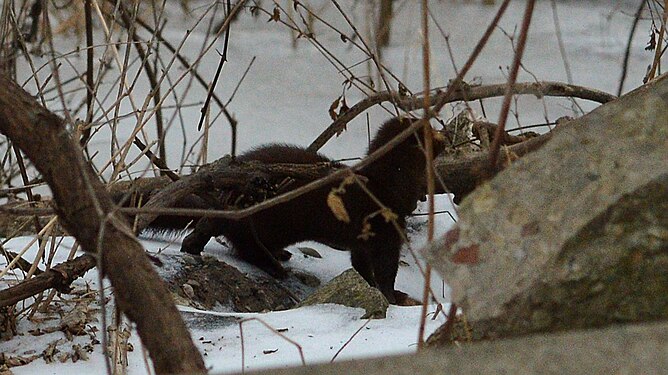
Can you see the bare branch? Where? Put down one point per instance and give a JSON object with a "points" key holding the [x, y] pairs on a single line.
{"points": [[462, 93]]}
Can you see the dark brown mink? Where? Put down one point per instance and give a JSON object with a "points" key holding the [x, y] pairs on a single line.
{"points": [[397, 180]]}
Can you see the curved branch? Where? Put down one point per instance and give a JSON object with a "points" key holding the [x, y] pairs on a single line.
{"points": [[463, 93]]}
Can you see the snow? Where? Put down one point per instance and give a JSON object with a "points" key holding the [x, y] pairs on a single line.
{"points": [[285, 98], [320, 331]]}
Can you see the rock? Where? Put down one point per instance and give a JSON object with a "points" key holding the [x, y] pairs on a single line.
{"points": [[188, 291], [573, 235], [350, 289], [310, 252], [627, 349], [207, 283], [307, 279]]}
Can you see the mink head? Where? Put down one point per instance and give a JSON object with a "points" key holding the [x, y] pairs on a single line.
{"points": [[395, 126], [398, 177]]}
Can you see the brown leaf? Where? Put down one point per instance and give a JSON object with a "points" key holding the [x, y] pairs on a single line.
{"points": [[335, 204], [388, 215], [403, 91], [276, 16], [344, 106], [367, 233], [332, 108]]}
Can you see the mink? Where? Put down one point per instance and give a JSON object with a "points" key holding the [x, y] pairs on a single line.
{"points": [[397, 180]]}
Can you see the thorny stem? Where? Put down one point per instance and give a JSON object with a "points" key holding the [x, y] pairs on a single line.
{"points": [[212, 86], [658, 49], [512, 77], [627, 52], [89, 74]]}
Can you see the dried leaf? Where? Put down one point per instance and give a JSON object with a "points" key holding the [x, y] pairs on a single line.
{"points": [[332, 108], [651, 44], [344, 106], [15, 361], [276, 16], [388, 215], [403, 91], [51, 350], [367, 233], [341, 130], [467, 255], [335, 204]]}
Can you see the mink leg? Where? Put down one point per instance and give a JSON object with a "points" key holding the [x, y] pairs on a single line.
{"points": [[385, 267], [255, 253], [360, 260], [194, 242], [282, 255], [251, 249]]}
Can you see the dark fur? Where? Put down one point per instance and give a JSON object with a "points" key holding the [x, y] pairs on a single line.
{"points": [[397, 180]]}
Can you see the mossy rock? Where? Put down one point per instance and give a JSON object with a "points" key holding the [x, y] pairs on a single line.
{"points": [[350, 289]]}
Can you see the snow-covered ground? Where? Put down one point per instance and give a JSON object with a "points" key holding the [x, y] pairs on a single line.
{"points": [[320, 331], [285, 98]]}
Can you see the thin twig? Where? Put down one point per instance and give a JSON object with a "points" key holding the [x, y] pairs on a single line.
{"points": [[187, 65], [429, 152], [658, 49], [512, 77], [153, 81], [440, 102], [272, 329], [90, 82], [212, 85], [28, 191], [158, 162], [627, 52], [350, 339]]}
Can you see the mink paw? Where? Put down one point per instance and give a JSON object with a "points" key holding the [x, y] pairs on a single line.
{"points": [[283, 255], [192, 245]]}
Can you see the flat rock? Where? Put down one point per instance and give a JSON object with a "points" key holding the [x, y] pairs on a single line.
{"points": [[207, 283], [310, 252]]}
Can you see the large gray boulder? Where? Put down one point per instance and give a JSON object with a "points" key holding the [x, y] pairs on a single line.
{"points": [[572, 235]]}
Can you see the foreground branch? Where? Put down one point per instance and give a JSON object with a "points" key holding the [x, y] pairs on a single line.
{"points": [[59, 277], [86, 211]]}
